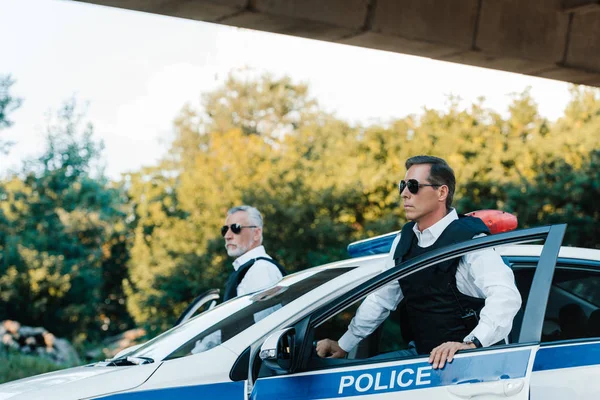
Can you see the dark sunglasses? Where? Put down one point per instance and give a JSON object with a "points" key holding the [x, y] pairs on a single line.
{"points": [[235, 228], [413, 185]]}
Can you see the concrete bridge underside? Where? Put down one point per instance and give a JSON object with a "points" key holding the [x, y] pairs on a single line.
{"points": [[556, 39]]}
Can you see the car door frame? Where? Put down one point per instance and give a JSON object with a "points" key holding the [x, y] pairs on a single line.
{"points": [[572, 361], [530, 333], [212, 295]]}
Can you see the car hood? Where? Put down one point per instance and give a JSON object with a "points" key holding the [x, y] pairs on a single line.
{"points": [[78, 383]]}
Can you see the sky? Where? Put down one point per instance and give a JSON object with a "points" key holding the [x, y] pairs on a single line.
{"points": [[135, 71]]}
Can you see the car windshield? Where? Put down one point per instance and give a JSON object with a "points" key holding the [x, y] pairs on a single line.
{"points": [[225, 321]]}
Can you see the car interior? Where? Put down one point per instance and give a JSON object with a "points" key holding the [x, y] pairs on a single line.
{"points": [[573, 304]]}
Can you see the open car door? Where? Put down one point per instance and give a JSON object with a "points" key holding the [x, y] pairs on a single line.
{"points": [[290, 369]]}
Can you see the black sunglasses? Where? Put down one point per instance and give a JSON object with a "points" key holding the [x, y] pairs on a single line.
{"points": [[235, 228], [413, 185]]}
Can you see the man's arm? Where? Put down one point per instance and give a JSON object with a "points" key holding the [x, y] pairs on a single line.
{"points": [[483, 274], [495, 281], [372, 312]]}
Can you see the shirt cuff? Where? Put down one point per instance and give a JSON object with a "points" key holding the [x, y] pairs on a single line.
{"points": [[348, 341], [484, 335]]}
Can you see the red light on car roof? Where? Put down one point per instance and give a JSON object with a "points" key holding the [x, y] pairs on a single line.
{"points": [[497, 221]]}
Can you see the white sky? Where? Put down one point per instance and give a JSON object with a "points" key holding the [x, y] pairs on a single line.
{"points": [[137, 70]]}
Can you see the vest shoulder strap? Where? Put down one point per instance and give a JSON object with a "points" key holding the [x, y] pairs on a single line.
{"points": [[275, 263], [243, 270], [467, 225], [461, 229], [403, 246], [237, 276]]}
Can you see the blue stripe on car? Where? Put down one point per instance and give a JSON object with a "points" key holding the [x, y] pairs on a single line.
{"points": [[396, 378], [221, 391], [368, 247], [567, 356]]}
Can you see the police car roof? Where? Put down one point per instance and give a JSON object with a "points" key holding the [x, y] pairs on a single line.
{"points": [[362, 261], [382, 245], [527, 250]]}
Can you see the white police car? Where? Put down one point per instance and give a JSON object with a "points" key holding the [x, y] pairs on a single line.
{"points": [[201, 357], [261, 346]]}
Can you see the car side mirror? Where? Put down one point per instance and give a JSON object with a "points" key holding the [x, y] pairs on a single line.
{"points": [[126, 351], [277, 352]]}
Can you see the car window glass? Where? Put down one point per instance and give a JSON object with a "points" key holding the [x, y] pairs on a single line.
{"points": [[585, 287], [262, 304], [572, 311]]}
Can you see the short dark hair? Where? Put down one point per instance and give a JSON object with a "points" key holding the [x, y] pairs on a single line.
{"points": [[440, 174]]}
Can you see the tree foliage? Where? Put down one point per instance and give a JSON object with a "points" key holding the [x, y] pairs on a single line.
{"points": [[323, 183], [57, 221], [8, 104], [88, 254]]}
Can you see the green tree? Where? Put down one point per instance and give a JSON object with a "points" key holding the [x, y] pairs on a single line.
{"points": [[322, 183], [162, 236], [220, 151], [8, 104], [266, 106], [262, 105], [57, 217], [565, 185], [561, 193]]}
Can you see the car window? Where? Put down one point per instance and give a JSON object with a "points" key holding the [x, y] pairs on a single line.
{"points": [[261, 305], [585, 287], [573, 303]]}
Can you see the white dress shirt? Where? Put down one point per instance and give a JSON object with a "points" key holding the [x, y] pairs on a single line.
{"points": [[481, 274], [260, 276]]}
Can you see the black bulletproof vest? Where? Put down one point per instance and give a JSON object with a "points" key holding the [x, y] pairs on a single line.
{"points": [[237, 276], [436, 309]]}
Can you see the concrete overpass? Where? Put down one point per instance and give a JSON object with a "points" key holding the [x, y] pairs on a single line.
{"points": [[556, 39]]}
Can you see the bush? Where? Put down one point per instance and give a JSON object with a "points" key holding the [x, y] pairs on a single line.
{"points": [[17, 366]]}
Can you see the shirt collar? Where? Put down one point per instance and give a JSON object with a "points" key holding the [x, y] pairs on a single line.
{"points": [[249, 255], [436, 230]]}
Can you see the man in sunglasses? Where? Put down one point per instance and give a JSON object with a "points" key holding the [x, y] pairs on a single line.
{"points": [[459, 304], [253, 268]]}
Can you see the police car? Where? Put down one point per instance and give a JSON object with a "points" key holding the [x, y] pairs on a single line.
{"points": [[261, 346]]}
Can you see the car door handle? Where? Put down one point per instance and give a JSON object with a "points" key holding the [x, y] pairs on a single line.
{"points": [[503, 388]]}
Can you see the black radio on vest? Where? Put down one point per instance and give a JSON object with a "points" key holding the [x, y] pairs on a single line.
{"points": [[236, 277], [437, 311]]}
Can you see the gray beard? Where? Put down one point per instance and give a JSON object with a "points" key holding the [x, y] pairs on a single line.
{"points": [[238, 251]]}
